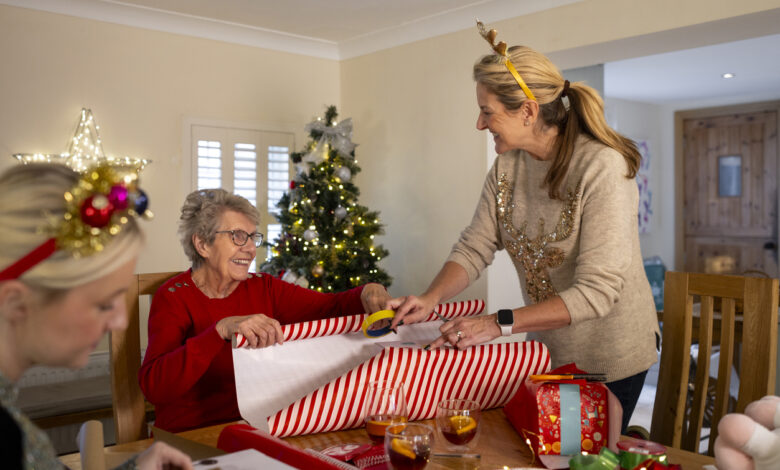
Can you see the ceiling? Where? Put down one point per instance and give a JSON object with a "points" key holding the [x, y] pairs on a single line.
{"points": [[321, 28], [697, 74]]}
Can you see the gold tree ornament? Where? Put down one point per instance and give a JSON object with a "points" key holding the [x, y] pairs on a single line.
{"points": [[85, 150]]}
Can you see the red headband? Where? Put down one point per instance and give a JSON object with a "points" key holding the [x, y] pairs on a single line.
{"points": [[40, 253]]}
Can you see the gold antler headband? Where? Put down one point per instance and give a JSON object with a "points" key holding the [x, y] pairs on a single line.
{"points": [[500, 49]]}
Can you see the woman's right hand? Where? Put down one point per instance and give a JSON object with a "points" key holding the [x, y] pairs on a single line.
{"points": [[410, 309], [259, 330], [162, 456]]}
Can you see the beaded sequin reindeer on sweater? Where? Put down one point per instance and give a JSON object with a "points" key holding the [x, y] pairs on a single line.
{"points": [[536, 254]]}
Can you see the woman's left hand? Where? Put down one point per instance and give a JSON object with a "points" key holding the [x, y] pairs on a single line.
{"points": [[468, 331], [374, 297]]}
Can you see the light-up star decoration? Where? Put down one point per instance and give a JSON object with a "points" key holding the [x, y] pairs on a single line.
{"points": [[85, 150]]}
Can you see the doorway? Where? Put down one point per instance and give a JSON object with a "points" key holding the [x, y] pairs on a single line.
{"points": [[727, 205]]}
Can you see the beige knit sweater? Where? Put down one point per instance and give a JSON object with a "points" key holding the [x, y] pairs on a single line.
{"points": [[584, 249]]}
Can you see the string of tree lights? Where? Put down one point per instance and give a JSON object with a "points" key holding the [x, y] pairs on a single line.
{"points": [[327, 238]]}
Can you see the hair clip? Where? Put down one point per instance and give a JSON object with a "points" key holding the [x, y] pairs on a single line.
{"points": [[501, 49], [565, 96]]}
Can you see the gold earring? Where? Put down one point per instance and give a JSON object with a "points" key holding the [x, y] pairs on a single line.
{"points": [[527, 123]]}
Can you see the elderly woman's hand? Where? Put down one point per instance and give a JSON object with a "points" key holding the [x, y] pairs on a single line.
{"points": [[374, 297], [259, 330], [463, 332]]}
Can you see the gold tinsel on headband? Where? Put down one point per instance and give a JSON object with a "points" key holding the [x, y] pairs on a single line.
{"points": [[97, 208]]}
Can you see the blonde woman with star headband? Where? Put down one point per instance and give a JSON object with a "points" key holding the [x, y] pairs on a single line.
{"points": [[562, 200], [70, 244]]}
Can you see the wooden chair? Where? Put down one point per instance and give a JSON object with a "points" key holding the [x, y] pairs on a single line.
{"points": [[129, 404], [673, 424]]}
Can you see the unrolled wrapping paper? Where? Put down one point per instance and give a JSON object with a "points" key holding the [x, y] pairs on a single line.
{"points": [[315, 381]]}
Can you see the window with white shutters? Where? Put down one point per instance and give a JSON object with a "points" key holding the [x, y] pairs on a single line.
{"points": [[251, 163], [278, 184], [245, 171], [209, 164]]}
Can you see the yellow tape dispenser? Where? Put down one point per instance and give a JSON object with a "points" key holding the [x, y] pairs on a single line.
{"points": [[374, 318]]}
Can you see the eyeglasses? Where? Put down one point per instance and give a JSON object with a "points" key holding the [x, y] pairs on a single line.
{"points": [[240, 237]]}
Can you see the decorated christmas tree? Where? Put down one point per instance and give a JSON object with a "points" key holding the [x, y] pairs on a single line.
{"points": [[327, 239]]}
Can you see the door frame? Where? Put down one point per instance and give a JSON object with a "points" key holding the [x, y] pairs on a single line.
{"points": [[679, 179]]}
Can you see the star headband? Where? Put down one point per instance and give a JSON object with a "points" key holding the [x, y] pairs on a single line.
{"points": [[96, 209], [500, 49]]}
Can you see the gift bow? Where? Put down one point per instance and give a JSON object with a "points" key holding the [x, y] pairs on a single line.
{"points": [[340, 136], [608, 460]]}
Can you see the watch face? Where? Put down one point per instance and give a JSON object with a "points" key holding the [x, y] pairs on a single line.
{"points": [[505, 317]]}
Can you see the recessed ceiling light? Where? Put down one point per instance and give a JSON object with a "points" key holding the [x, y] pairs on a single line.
{"points": [[728, 75]]}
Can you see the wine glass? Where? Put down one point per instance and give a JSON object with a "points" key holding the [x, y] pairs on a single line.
{"points": [[458, 422], [385, 405], [408, 445]]}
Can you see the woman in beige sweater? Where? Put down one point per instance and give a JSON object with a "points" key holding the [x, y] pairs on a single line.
{"points": [[562, 200]]}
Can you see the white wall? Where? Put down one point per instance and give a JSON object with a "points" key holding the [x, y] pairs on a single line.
{"points": [[645, 122]]}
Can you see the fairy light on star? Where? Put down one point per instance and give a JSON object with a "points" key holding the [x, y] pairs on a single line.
{"points": [[85, 150]]}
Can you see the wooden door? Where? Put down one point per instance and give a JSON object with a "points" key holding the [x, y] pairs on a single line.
{"points": [[730, 192]]}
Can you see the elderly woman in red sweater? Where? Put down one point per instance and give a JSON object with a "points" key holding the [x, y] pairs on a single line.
{"points": [[187, 372]]}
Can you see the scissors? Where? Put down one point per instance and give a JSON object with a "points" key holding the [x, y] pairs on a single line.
{"points": [[445, 320]]}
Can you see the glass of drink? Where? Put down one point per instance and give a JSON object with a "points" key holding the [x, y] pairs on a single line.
{"points": [[385, 405], [458, 422], [408, 445]]}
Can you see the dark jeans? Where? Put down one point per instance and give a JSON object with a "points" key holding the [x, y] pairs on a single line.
{"points": [[627, 391]]}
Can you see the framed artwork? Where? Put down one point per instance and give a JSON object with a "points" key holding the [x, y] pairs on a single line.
{"points": [[645, 213]]}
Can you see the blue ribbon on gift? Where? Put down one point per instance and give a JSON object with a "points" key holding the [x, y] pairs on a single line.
{"points": [[570, 419]]}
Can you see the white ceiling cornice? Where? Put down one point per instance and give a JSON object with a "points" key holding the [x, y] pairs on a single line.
{"points": [[444, 23], [128, 14], [188, 25]]}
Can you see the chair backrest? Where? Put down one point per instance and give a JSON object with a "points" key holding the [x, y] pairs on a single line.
{"points": [[677, 418], [129, 404]]}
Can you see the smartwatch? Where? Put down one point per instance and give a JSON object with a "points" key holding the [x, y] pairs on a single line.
{"points": [[505, 319]]}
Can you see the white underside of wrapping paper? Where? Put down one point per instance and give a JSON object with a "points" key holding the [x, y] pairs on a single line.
{"points": [[269, 379]]}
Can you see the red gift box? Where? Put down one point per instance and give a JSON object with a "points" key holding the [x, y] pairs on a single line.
{"points": [[565, 417]]}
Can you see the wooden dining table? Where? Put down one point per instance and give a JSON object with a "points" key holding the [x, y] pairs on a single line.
{"points": [[498, 445]]}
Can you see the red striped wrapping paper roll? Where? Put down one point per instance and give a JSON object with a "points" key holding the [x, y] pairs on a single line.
{"points": [[489, 374], [352, 323]]}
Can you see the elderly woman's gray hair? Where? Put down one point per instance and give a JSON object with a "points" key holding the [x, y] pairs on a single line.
{"points": [[201, 214]]}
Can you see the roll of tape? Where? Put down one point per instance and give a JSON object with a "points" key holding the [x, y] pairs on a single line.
{"points": [[376, 317]]}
